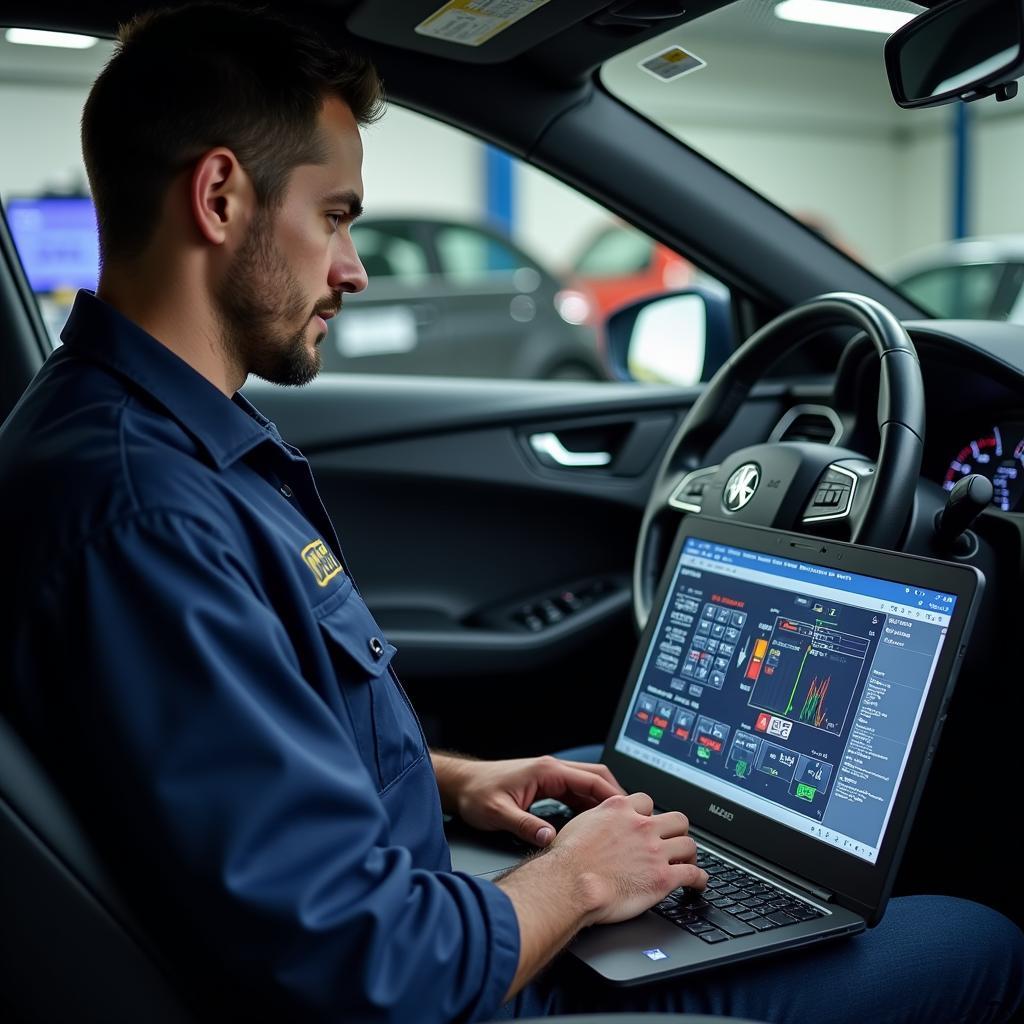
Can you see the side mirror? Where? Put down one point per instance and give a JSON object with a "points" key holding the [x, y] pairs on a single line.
{"points": [[962, 49], [677, 338]]}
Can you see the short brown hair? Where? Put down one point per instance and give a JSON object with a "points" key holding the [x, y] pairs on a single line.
{"points": [[183, 81]]}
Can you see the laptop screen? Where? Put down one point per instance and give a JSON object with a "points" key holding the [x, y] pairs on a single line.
{"points": [[790, 688]]}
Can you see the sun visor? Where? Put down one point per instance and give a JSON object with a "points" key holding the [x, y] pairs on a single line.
{"points": [[474, 31]]}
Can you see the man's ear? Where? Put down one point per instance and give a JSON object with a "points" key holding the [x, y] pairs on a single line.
{"points": [[221, 195]]}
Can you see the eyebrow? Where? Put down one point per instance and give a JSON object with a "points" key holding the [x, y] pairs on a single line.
{"points": [[346, 197]]}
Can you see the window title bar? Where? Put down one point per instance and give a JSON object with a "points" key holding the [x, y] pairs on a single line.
{"points": [[808, 572]]}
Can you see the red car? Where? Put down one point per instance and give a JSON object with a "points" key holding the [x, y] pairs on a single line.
{"points": [[618, 266]]}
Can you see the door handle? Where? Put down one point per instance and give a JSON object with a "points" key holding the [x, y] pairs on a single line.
{"points": [[551, 449]]}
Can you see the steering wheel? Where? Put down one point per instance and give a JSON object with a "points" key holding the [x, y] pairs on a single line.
{"points": [[791, 485]]}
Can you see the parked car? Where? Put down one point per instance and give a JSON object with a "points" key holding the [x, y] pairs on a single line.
{"points": [[969, 279], [454, 299]]}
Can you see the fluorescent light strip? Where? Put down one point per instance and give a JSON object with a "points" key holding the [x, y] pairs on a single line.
{"points": [[37, 37], [836, 15]]}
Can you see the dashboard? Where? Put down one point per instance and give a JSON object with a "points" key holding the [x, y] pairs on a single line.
{"points": [[973, 374], [997, 452]]}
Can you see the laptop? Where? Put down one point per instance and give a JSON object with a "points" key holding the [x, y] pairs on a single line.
{"points": [[787, 695]]}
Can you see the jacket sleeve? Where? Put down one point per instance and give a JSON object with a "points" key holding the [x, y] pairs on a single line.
{"points": [[246, 824]]}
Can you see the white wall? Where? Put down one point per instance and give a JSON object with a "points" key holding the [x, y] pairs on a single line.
{"points": [[411, 164], [40, 128], [998, 169]]}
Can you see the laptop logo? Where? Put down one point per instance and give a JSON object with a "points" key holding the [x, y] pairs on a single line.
{"points": [[655, 954], [741, 486], [321, 562], [721, 812]]}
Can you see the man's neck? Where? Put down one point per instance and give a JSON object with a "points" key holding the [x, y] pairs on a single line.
{"points": [[176, 316]]}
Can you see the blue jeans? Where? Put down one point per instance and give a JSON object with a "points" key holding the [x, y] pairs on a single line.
{"points": [[930, 959]]}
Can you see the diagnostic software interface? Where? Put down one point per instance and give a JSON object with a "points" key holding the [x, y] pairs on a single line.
{"points": [[792, 689]]}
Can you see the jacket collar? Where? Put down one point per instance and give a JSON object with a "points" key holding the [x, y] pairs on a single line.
{"points": [[226, 429]]}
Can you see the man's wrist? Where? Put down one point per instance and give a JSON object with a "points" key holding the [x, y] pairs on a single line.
{"points": [[451, 771], [586, 893], [577, 897], [553, 900]]}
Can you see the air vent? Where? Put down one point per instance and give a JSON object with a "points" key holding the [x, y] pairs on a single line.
{"points": [[816, 423]]}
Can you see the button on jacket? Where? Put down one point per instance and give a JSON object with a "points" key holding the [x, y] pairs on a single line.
{"points": [[186, 651]]}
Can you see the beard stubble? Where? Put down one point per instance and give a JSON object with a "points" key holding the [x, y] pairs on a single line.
{"points": [[258, 299]]}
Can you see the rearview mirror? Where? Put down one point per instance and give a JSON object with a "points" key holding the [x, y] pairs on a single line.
{"points": [[963, 49]]}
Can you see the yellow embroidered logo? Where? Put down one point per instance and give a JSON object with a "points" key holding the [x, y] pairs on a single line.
{"points": [[322, 562]]}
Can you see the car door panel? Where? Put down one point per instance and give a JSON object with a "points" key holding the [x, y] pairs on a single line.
{"points": [[454, 527]]}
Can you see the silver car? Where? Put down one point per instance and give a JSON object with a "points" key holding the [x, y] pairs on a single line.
{"points": [[970, 279]]}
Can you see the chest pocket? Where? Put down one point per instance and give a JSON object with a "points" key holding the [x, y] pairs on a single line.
{"points": [[386, 729]]}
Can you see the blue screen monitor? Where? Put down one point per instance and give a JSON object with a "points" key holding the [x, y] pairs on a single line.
{"points": [[57, 241]]}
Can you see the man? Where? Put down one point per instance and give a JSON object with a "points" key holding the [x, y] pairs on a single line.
{"points": [[188, 652]]}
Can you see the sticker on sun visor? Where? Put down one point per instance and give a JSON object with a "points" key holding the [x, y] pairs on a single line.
{"points": [[672, 63], [473, 22]]}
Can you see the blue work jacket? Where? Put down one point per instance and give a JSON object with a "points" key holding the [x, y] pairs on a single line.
{"points": [[186, 651]]}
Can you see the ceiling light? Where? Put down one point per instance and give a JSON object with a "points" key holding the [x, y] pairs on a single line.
{"points": [[836, 15], [37, 37]]}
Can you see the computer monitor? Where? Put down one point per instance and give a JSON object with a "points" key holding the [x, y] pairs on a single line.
{"points": [[57, 241]]}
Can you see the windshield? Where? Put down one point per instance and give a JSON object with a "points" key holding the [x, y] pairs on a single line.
{"points": [[803, 114]]}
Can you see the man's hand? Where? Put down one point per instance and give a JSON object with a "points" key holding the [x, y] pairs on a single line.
{"points": [[496, 795], [626, 858], [609, 864]]}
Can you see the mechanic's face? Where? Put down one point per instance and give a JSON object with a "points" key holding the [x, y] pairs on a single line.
{"points": [[297, 262]]}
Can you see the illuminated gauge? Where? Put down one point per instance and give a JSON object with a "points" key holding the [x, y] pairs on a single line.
{"points": [[987, 457]]}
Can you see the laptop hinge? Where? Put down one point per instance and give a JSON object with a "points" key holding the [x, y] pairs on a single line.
{"points": [[810, 888]]}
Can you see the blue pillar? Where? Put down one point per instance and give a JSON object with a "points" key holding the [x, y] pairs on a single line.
{"points": [[962, 171], [499, 189]]}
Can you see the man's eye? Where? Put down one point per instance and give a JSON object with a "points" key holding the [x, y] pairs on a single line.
{"points": [[336, 220]]}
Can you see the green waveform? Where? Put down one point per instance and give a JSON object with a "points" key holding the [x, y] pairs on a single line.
{"points": [[813, 710]]}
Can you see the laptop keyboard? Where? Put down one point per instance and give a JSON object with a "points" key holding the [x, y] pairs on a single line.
{"points": [[734, 904]]}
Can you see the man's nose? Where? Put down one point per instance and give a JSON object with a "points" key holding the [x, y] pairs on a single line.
{"points": [[347, 272]]}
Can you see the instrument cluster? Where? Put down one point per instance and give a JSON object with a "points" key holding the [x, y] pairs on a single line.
{"points": [[997, 453]]}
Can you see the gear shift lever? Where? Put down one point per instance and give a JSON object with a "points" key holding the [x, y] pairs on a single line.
{"points": [[967, 500]]}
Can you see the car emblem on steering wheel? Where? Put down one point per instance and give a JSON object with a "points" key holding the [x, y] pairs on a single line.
{"points": [[741, 487]]}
